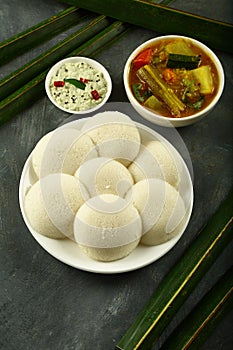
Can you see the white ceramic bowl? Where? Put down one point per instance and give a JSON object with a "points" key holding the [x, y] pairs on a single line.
{"points": [[157, 118], [96, 65]]}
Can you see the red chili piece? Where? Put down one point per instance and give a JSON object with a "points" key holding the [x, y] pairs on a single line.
{"points": [[59, 83], [84, 80], [95, 94]]}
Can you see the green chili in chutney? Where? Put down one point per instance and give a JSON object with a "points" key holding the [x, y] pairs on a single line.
{"points": [[174, 77]]}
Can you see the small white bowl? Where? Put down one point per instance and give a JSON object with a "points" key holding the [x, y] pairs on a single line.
{"points": [[156, 118], [96, 65]]}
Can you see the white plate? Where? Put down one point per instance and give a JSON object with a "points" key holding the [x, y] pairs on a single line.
{"points": [[68, 251]]}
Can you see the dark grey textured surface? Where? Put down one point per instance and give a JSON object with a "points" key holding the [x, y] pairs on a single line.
{"points": [[45, 304]]}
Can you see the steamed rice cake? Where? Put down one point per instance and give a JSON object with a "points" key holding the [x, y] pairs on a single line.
{"points": [[115, 134], [51, 204], [104, 176], [155, 161], [107, 227], [38, 153], [62, 150], [161, 208]]}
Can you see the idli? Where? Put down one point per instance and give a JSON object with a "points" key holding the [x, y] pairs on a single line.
{"points": [[155, 161], [38, 153], [62, 150], [104, 176], [161, 208], [51, 205], [107, 227], [115, 134]]}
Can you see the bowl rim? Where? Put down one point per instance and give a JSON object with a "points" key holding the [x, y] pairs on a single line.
{"points": [[161, 118], [96, 64]]}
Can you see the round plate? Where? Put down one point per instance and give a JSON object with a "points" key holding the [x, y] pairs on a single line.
{"points": [[68, 252]]}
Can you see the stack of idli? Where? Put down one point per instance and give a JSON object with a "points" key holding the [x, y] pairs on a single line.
{"points": [[105, 187]]}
